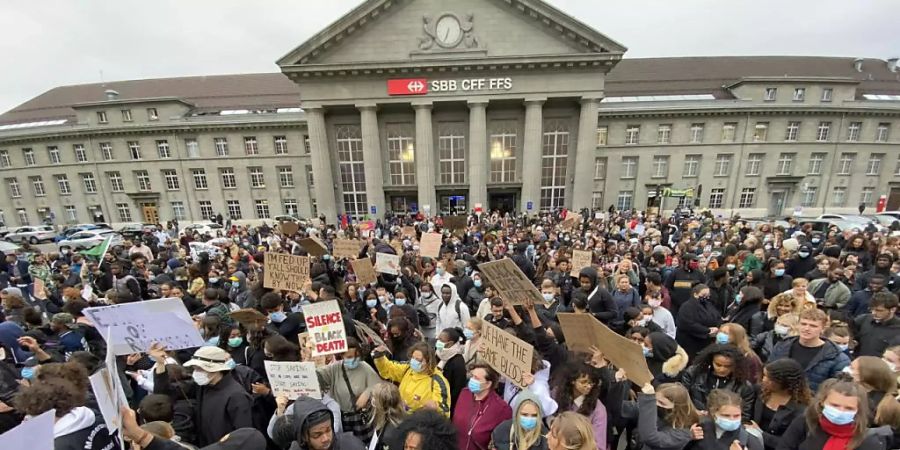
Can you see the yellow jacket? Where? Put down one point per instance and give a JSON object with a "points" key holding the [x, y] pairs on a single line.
{"points": [[416, 389]]}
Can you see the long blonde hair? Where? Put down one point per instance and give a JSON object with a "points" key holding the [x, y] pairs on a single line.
{"points": [[683, 414], [387, 406], [574, 431], [738, 336], [525, 439]]}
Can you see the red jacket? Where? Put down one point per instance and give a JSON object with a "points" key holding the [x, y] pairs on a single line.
{"points": [[476, 420]]}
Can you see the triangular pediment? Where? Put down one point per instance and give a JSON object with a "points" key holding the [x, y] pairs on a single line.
{"points": [[399, 31]]}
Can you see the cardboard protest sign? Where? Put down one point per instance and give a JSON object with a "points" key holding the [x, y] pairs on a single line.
{"points": [[580, 260], [134, 326], [506, 353], [408, 232], [347, 248], [397, 246], [387, 263], [364, 271], [35, 433], [314, 246], [40, 291], [584, 330], [293, 379], [572, 220], [505, 276], [431, 245], [325, 325], [248, 316], [285, 272], [288, 228], [455, 222]]}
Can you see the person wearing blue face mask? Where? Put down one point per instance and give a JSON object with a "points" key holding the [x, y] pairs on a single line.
{"points": [[402, 303], [287, 324], [421, 383], [480, 409], [350, 382], [375, 316], [776, 280], [525, 430], [476, 293], [722, 429]]}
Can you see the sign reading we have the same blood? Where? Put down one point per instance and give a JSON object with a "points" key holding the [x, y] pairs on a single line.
{"points": [[325, 325], [506, 353]]}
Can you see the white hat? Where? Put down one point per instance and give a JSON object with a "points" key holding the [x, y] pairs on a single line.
{"points": [[210, 359]]}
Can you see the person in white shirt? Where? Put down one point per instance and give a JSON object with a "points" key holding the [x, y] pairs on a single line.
{"points": [[440, 277], [660, 316], [452, 313]]}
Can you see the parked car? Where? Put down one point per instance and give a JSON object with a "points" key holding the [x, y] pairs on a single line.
{"points": [[822, 225], [31, 234], [9, 247], [863, 221], [70, 230], [201, 228], [86, 239], [298, 220], [132, 230]]}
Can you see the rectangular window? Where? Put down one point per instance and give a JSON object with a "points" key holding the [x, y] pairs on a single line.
{"points": [[352, 166], [250, 146], [37, 183], [101, 117], [14, 190], [629, 166], [23, 216], [873, 167], [691, 166], [808, 199], [729, 131], [234, 209], [143, 180], [192, 147], [754, 162], [281, 147], [839, 196], [660, 166], [152, 114], [716, 197], [115, 181], [748, 198], [310, 179], [199, 179], [80, 153], [602, 135], [134, 148], [785, 164], [822, 131], [867, 197], [289, 207], [596, 200], [106, 151], [162, 147], [228, 179], [697, 133], [172, 181], [882, 132], [792, 131], [599, 168], [770, 94], [63, 182], [71, 214], [53, 153], [816, 160], [826, 94], [262, 209], [632, 134], [90, 184], [625, 200], [853, 131], [286, 176], [723, 166], [554, 164], [897, 169], [663, 134], [503, 154], [221, 146], [124, 212], [401, 155], [206, 209], [178, 210], [799, 94], [452, 154], [760, 131], [845, 164], [257, 177], [306, 145], [126, 115], [28, 154], [4, 159]]}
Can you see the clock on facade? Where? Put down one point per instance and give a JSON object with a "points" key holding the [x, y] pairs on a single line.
{"points": [[448, 31]]}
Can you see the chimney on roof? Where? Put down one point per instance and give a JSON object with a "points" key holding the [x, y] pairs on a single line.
{"points": [[893, 64], [111, 94], [857, 64]]}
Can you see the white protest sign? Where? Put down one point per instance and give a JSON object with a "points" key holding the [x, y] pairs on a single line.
{"points": [[293, 379], [325, 324], [109, 396], [35, 433], [387, 263], [135, 326]]}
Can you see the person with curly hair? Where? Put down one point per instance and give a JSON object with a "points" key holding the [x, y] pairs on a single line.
{"points": [[719, 367], [781, 397], [577, 388], [780, 305], [425, 429]]}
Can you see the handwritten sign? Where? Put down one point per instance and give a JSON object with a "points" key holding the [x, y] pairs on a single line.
{"points": [[347, 248], [505, 276], [455, 222], [506, 353], [326, 327], [314, 246], [286, 272], [134, 326], [35, 433], [583, 331], [572, 220], [387, 263], [431, 245], [40, 291], [365, 272], [293, 379], [580, 260]]}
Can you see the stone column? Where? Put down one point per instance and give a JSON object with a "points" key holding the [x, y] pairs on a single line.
{"points": [[478, 154], [580, 191], [321, 163], [425, 158], [531, 155], [372, 159]]}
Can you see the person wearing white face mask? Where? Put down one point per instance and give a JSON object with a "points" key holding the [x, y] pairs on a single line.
{"points": [[660, 316], [785, 326]]}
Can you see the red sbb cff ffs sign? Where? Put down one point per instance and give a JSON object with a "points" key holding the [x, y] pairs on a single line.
{"points": [[408, 86]]}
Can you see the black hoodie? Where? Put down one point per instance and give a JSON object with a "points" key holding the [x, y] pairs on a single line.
{"points": [[304, 407], [600, 302]]}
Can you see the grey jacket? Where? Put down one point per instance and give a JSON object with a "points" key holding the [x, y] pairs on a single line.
{"points": [[836, 296]]}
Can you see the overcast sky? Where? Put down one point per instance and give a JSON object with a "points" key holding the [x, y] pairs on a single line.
{"points": [[57, 42]]}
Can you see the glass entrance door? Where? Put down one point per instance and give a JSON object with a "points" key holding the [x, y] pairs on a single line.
{"points": [[454, 204]]}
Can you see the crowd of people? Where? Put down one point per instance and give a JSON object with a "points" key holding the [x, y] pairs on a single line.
{"points": [[757, 336]]}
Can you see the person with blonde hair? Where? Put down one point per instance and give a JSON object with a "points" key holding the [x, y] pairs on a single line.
{"points": [[734, 334], [874, 375], [524, 431], [722, 428], [665, 416], [571, 431], [780, 305], [472, 333], [386, 409]]}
